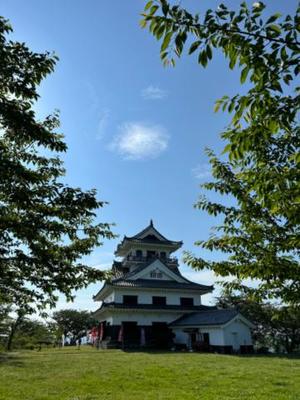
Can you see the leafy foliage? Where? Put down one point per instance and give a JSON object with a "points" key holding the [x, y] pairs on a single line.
{"points": [[45, 225], [31, 334], [260, 232], [73, 321]]}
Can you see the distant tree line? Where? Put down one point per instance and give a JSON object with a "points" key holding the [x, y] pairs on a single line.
{"points": [[17, 331]]}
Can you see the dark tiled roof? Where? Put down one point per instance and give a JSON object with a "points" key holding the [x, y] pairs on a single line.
{"points": [[162, 284], [155, 307], [211, 317], [151, 239], [117, 270], [150, 226]]}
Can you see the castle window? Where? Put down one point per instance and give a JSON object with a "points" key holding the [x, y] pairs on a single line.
{"points": [[139, 253], [159, 300], [156, 274], [163, 254], [130, 300], [186, 301], [150, 254]]}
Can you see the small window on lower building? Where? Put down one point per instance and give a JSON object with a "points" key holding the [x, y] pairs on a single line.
{"points": [[206, 337], [159, 300], [186, 301]]}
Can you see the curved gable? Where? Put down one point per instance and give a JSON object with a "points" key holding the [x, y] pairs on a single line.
{"points": [[158, 267]]}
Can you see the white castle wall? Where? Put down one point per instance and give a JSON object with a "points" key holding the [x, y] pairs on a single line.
{"points": [[216, 336], [237, 334], [143, 318], [145, 296]]}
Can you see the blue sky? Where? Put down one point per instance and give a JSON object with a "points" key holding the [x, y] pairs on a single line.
{"points": [[136, 131]]}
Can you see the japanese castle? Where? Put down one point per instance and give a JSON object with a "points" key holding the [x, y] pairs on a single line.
{"points": [[148, 303]]}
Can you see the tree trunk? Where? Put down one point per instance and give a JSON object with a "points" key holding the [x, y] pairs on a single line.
{"points": [[13, 329]]}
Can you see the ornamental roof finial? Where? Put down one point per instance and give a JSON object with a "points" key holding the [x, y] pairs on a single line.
{"points": [[151, 222]]}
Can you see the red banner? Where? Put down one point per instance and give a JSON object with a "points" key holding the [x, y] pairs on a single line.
{"points": [[100, 331], [120, 336]]}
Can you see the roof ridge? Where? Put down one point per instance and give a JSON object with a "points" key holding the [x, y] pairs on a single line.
{"points": [[194, 318], [223, 309], [145, 229]]}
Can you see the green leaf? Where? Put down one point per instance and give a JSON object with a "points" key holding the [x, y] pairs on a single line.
{"points": [[143, 23], [274, 28], [217, 105], [153, 10], [148, 5], [194, 46], [166, 41], [233, 57], [160, 32], [244, 74], [273, 18], [209, 52], [227, 148], [202, 59], [165, 8]]}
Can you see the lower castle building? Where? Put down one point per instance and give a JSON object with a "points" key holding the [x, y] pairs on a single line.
{"points": [[148, 303]]}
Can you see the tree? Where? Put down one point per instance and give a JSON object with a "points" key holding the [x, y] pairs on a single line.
{"points": [[286, 321], [5, 322], [73, 321], [276, 327], [25, 333], [260, 163], [13, 325], [46, 226]]}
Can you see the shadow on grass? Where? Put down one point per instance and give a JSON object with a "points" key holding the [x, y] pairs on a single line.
{"points": [[294, 356], [10, 359]]}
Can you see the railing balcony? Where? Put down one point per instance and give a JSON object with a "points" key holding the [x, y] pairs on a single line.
{"points": [[141, 259]]}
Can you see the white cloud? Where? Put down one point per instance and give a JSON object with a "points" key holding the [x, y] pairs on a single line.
{"points": [[103, 266], [202, 171], [205, 277], [103, 122], [137, 141], [154, 93]]}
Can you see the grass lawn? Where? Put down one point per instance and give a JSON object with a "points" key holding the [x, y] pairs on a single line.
{"points": [[88, 374]]}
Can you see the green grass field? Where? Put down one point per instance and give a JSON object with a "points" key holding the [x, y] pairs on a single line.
{"points": [[88, 374]]}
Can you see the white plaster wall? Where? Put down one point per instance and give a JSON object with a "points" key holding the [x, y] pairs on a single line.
{"points": [[109, 320], [145, 296], [143, 318], [110, 297], [164, 276], [216, 335], [237, 334]]}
